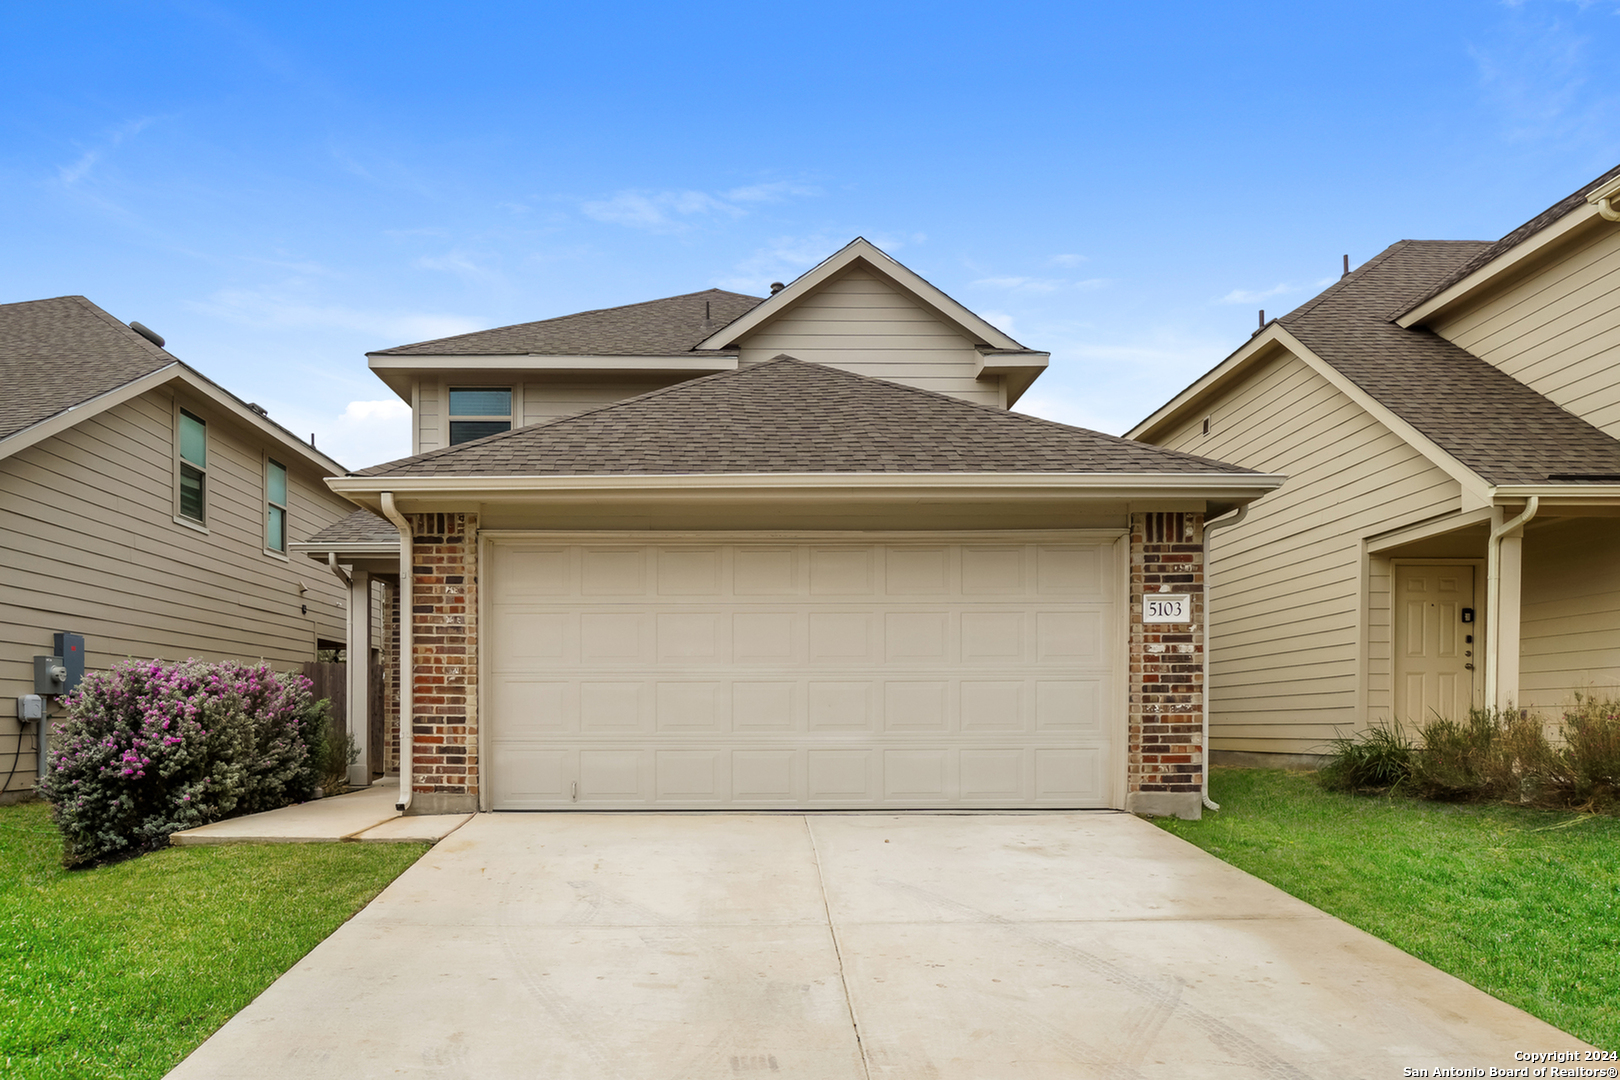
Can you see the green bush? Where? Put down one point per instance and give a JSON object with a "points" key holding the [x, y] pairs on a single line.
{"points": [[1380, 759], [150, 748], [1492, 754]]}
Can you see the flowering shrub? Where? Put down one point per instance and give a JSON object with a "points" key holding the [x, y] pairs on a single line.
{"points": [[149, 748]]}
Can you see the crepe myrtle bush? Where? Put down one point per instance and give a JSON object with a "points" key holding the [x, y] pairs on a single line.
{"points": [[150, 747]]}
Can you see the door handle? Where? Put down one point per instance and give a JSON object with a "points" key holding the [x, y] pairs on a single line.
{"points": [[1470, 667]]}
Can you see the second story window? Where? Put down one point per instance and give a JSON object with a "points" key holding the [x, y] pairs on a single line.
{"points": [[275, 506], [193, 478], [478, 411]]}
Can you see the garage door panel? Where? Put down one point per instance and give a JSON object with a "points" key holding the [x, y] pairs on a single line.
{"points": [[776, 675], [841, 571], [917, 571]]}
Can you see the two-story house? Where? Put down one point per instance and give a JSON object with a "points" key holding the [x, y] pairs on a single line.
{"points": [[1448, 417], [146, 509], [722, 551]]}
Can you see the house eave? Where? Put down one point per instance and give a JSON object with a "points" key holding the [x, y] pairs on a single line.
{"points": [[399, 371], [419, 491]]}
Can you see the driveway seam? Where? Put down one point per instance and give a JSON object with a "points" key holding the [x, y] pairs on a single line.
{"points": [[838, 951]]}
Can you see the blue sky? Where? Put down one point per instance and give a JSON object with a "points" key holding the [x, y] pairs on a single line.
{"points": [[277, 188]]}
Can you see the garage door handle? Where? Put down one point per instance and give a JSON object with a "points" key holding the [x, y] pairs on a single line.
{"points": [[573, 788]]}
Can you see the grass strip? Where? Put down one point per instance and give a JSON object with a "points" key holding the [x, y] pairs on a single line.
{"points": [[122, 971], [1523, 904]]}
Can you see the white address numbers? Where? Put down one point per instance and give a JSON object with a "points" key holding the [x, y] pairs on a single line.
{"points": [[1166, 608]]}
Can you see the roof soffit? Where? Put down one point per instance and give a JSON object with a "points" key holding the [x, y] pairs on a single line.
{"points": [[863, 251]]}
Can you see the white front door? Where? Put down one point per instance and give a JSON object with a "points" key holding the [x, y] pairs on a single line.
{"points": [[802, 673], [1435, 648]]}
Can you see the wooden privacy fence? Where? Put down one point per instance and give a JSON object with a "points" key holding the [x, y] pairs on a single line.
{"points": [[331, 681]]}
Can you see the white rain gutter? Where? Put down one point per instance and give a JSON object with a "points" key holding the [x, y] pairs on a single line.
{"points": [[1493, 597], [1209, 527], [406, 660]]}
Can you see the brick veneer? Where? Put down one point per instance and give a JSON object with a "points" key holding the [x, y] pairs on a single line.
{"points": [[1165, 753], [444, 628]]}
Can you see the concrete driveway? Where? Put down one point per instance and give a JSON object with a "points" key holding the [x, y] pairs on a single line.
{"points": [[970, 946]]}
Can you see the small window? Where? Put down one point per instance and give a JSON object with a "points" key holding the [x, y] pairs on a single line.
{"points": [[275, 506], [479, 411], [193, 479]]}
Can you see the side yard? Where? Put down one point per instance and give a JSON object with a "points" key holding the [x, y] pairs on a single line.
{"points": [[121, 971], [1523, 904]]}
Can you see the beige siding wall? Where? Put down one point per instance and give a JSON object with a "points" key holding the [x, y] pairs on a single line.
{"points": [[1557, 330], [1570, 619], [1286, 605], [859, 322], [88, 543], [554, 399], [430, 430]]}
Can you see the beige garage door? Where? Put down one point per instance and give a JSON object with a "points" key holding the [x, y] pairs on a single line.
{"points": [[785, 674]]}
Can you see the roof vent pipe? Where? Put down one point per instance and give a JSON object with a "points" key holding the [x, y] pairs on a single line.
{"points": [[1346, 267], [150, 335], [1262, 318], [776, 287], [405, 660]]}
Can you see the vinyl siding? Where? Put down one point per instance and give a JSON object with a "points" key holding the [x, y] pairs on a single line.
{"points": [[861, 323], [1557, 330], [430, 431], [1286, 609], [1570, 618], [88, 543]]}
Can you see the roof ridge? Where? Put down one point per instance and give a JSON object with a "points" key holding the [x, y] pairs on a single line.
{"points": [[1344, 282], [570, 315]]}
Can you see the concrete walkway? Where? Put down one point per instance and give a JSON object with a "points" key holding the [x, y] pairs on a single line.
{"points": [[954, 947], [367, 814]]}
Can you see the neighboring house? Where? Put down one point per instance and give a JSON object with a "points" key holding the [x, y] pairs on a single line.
{"points": [[717, 551], [145, 508], [1447, 417]]}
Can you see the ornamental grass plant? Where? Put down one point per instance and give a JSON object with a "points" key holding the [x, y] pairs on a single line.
{"points": [[150, 747]]}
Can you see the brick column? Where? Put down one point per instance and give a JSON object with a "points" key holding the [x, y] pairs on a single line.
{"points": [[444, 629], [1165, 762]]}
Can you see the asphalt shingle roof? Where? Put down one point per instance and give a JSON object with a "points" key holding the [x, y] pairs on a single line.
{"points": [[58, 353], [664, 327], [360, 527], [789, 416], [1485, 418]]}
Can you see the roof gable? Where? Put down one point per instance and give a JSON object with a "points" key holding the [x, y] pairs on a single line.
{"points": [[861, 251], [671, 326], [62, 352], [788, 416]]}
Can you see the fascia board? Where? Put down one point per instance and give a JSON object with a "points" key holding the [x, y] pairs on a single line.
{"points": [[1558, 493], [863, 250], [1017, 370], [540, 362], [357, 548], [229, 402], [1509, 260], [1215, 377], [1227, 487], [1476, 492], [73, 414]]}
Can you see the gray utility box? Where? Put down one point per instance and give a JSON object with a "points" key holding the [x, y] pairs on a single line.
{"points": [[30, 708], [70, 647]]}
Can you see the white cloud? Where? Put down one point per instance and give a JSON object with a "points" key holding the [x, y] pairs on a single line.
{"points": [[1000, 320], [1037, 285], [1250, 296], [366, 433], [674, 211], [454, 262], [1066, 260], [72, 174], [271, 311]]}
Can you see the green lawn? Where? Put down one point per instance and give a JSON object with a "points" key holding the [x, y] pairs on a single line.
{"points": [[1523, 904], [122, 971]]}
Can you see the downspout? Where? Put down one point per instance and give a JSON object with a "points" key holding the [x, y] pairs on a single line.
{"points": [[1493, 598], [332, 564], [1209, 527], [1606, 210], [406, 661]]}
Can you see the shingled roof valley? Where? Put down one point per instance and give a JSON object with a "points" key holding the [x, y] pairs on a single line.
{"points": [[790, 416], [1500, 428], [62, 352], [667, 327]]}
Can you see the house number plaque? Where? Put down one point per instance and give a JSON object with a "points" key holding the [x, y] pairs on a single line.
{"points": [[1166, 608]]}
